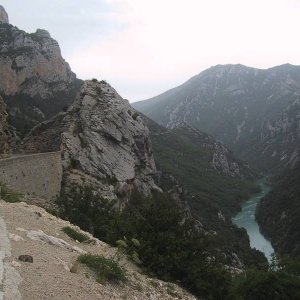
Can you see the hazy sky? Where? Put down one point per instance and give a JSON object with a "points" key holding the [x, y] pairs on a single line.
{"points": [[144, 47]]}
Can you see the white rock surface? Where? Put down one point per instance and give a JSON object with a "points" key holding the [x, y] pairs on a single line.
{"points": [[103, 140], [3, 15]]}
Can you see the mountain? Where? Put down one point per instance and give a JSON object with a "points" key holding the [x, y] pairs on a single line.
{"points": [[103, 142], [254, 112], [203, 166], [278, 213], [36, 82], [5, 134]]}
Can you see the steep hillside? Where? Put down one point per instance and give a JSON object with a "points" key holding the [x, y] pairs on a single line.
{"points": [[203, 166], [5, 134], [36, 82], [103, 142], [278, 213], [255, 112], [54, 272], [208, 183]]}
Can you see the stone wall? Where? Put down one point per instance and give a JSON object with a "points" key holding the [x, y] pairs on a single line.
{"points": [[35, 174]]}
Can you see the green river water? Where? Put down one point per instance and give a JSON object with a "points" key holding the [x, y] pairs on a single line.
{"points": [[246, 219]]}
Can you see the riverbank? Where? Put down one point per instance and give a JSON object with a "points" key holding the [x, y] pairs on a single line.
{"points": [[246, 219]]}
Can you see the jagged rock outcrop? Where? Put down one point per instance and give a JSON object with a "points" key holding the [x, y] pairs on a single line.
{"points": [[102, 139], [35, 80], [5, 135], [3, 15], [256, 113]]}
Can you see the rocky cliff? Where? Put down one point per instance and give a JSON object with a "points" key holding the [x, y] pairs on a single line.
{"points": [[5, 135], [35, 80], [103, 142], [254, 112], [3, 15]]}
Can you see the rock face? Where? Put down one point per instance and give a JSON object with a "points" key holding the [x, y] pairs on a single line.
{"points": [[35, 80], [3, 15], [102, 139], [5, 135], [254, 112]]}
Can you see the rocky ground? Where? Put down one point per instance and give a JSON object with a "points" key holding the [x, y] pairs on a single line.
{"points": [[54, 274]]}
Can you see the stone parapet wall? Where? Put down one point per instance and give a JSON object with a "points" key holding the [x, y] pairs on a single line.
{"points": [[35, 174]]}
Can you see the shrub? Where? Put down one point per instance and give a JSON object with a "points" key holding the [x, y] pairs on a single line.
{"points": [[135, 115], [261, 285], [75, 235], [8, 195], [130, 248], [104, 268]]}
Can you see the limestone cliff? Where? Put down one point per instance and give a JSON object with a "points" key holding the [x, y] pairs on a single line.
{"points": [[3, 15], [5, 136], [103, 142], [35, 80]]}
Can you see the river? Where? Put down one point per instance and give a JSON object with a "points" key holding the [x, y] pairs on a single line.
{"points": [[246, 219]]}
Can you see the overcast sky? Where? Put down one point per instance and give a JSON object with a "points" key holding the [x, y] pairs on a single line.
{"points": [[144, 47]]}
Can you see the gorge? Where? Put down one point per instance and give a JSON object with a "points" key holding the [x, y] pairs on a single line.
{"points": [[246, 219], [159, 187]]}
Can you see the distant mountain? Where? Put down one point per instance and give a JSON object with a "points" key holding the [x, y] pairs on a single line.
{"points": [[35, 81], [254, 112], [278, 213]]}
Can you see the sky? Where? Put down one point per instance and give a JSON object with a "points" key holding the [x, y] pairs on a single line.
{"points": [[145, 47]]}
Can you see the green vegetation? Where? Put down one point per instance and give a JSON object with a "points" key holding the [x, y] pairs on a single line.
{"points": [[170, 247], [187, 155], [104, 268], [278, 213], [277, 283], [75, 235], [8, 195], [135, 115], [130, 248]]}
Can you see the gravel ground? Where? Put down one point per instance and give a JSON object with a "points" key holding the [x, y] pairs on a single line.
{"points": [[49, 276]]}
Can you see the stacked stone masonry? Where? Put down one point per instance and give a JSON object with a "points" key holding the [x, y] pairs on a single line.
{"points": [[35, 174]]}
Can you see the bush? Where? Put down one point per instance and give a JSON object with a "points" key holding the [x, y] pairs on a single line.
{"points": [[91, 213], [75, 235], [262, 285], [105, 269], [8, 195], [129, 247]]}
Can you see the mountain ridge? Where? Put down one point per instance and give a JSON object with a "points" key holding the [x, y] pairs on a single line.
{"points": [[253, 111]]}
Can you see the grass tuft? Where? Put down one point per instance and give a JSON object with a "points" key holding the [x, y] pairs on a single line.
{"points": [[75, 235], [105, 269], [8, 195]]}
